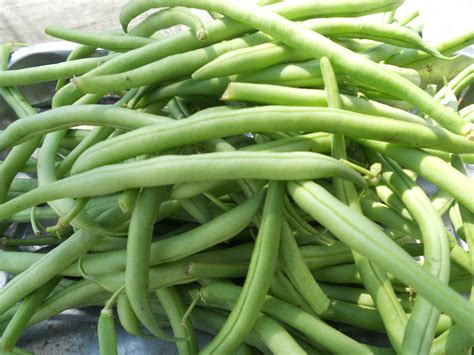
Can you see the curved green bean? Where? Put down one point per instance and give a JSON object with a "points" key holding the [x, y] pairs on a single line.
{"points": [[169, 169], [138, 257], [168, 18], [246, 311], [299, 274], [175, 310], [50, 72], [69, 116], [114, 42], [281, 95], [267, 119]]}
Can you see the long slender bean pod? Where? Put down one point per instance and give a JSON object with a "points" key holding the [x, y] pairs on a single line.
{"points": [[374, 279], [64, 117], [168, 18], [106, 327], [411, 56], [171, 169], [281, 95], [299, 274], [50, 72], [174, 308], [264, 119], [138, 256], [262, 265], [108, 41]]}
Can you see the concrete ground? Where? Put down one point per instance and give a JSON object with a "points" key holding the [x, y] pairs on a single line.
{"points": [[25, 20]]}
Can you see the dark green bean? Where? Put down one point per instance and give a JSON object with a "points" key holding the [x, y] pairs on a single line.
{"points": [[245, 313]]}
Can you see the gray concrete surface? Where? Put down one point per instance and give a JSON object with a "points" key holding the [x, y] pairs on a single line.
{"points": [[25, 20]]}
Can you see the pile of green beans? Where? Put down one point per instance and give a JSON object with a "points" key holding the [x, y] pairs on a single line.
{"points": [[257, 178]]}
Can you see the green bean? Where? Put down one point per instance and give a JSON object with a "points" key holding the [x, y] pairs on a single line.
{"points": [[464, 78], [299, 274], [392, 200], [106, 327], [22, 316], [374, 279], [442, 201], [31, 241], [211, 322], [113, 42], [411, 57], [42, 213], [424, 316], [453, 341], [174, 309], [87, 293], [297, 37], [49, 121], [22, 184], [168, 18], [151, 139], [433, 169], [357, 295], [46, 174], [197, 207], [347, 273], [138, 256], [280, 95], [320, 256], [326, 336], [456, 220], [262, 265], [377, 247], [127, 200], [381, 213], [315, 142], [127, 317], [283, 289], [176, 169], [50, 72]]}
